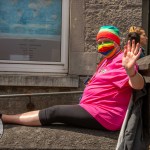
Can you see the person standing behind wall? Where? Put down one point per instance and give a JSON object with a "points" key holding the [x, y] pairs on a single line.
{"points": [[142, 37]]}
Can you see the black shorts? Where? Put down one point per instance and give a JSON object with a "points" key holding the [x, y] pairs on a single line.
{"points": [[73, 115]]}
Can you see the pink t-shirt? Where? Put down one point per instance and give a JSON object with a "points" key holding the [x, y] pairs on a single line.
{"points": [[107, 95]]}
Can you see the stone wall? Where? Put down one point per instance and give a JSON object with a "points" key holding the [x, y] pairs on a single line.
{"points": [[119, 13], [86, 18]]}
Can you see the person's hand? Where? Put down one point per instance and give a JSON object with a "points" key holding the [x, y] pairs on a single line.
{"points": [[131, 55]]}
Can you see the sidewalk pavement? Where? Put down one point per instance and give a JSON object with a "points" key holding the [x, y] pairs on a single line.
{"points": [[61, 137]]}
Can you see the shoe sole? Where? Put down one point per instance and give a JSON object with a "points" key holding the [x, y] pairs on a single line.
{"points": [[1, 129]]}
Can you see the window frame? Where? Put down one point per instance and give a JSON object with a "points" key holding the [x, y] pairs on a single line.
{"points": [[48, 67]]}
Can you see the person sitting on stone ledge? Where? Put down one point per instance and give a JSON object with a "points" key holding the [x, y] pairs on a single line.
{"points": [[106, 96]]}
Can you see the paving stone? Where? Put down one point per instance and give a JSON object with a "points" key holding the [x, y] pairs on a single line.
{"points": [[56, 137]]}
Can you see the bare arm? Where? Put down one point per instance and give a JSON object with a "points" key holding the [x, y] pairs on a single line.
{"points": [[131, 55]]}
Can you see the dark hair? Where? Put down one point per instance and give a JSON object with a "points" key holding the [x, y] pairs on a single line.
{"points": [[134, 36]]}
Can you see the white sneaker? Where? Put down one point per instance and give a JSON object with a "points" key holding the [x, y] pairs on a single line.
{"points": [[1, 129]]}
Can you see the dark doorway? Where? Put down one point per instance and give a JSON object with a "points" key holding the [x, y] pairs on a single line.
{"points": [[146, 22]]}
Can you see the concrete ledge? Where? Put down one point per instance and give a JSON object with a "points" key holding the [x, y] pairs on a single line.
{"points": [[144, 67], [56, 137], [17, 105], [43, 80], [144, 63]]}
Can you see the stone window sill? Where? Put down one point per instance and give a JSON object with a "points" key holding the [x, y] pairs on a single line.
{"points": [[36, 79]]}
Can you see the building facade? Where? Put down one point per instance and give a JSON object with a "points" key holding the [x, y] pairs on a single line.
{"points": [[31, 68]]}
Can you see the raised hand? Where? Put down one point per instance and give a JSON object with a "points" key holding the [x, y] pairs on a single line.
{"points": [[131, 55]]}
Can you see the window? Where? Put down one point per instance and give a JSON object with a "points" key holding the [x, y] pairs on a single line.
{"points": [[34, 35]]}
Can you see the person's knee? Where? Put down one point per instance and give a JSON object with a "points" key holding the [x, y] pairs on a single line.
{"points": [[52, 112], [49, 115]]}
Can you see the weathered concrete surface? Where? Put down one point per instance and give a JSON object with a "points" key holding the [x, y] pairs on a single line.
{"points": [[38, 80], [56, 137]]}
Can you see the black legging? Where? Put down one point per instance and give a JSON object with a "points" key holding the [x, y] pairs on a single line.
{"points": [[73, 115]]}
